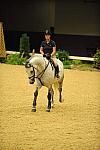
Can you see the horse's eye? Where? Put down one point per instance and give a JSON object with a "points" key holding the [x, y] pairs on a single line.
{"points": [[31, 71]]}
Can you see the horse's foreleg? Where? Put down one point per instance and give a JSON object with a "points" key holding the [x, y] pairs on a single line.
{"points": [[49, 100], [34, 101]]}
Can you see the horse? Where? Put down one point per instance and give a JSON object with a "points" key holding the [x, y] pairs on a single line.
{"points": [[39, 69]]}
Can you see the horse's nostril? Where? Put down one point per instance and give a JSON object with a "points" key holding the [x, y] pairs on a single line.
{"points": [[31, 82]]}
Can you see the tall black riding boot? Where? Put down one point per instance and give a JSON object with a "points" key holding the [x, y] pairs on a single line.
{"points": [[57, 71]]}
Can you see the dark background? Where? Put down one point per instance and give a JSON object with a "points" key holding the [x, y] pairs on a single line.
{"points": [[76, 23]]}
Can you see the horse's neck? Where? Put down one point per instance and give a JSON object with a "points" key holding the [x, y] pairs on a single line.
{"points": [[39, 63]]}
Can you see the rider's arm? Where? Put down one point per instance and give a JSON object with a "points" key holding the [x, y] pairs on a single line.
{"points": [[41, 50], [54, 51]]}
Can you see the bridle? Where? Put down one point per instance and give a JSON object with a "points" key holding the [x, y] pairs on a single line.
{"points": [[39, 76]]}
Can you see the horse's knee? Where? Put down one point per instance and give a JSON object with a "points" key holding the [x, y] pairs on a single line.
{"points": [[36, 93], [60, 89]]}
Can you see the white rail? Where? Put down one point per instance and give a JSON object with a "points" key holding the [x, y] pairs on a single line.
{"points": [[12, 52], [81, 58], [70, 57]]}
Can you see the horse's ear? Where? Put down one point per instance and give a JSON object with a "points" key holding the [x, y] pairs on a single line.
{"points": [[33, 52]]}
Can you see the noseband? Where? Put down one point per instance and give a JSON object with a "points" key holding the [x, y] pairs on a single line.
{"points": [[31, 77]]}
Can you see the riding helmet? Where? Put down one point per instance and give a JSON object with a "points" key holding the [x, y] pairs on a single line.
{"points": [[47, 32]]}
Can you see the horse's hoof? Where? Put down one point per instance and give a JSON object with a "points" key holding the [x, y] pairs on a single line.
{"points": [[33, 109], [61, 100], [47, 110]]}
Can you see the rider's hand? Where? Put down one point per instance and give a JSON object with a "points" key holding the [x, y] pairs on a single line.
{"points": [[48, 56], [44, 55]]}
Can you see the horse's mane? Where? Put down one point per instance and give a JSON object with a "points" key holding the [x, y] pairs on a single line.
{"points": [[37, 55]]}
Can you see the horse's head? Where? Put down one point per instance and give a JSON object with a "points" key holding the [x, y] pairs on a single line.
{"points": [[35, 64], [31, 72]]}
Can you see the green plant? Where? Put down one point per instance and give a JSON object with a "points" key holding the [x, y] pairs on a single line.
{"points": [[24, 46], [2, 60], [62, 55], [67, 62], [15, 59], [67, 66], [76, 62], [97, 59]]}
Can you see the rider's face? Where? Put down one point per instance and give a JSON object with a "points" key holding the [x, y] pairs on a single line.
{"points": [[47, 37]]}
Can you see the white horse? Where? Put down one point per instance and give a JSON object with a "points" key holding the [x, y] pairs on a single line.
{"points": [[39, 68]]}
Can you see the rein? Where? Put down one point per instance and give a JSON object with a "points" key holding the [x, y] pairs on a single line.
{"points": [[40, 74]]}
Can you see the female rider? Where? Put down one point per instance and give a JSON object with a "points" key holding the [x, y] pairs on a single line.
{"points": [[48, 50]]}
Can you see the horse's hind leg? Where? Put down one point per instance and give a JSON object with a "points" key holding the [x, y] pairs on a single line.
{"points": [[34, 101], [52, 97], [60, 92]]}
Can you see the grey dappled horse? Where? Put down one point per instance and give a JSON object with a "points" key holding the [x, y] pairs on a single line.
{"points": [[40, 69]]}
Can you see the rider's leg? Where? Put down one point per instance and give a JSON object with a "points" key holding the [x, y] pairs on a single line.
{"points": [[56, 67]]}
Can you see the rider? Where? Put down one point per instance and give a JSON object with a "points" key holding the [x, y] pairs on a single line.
{"points": [[48, 50]]}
